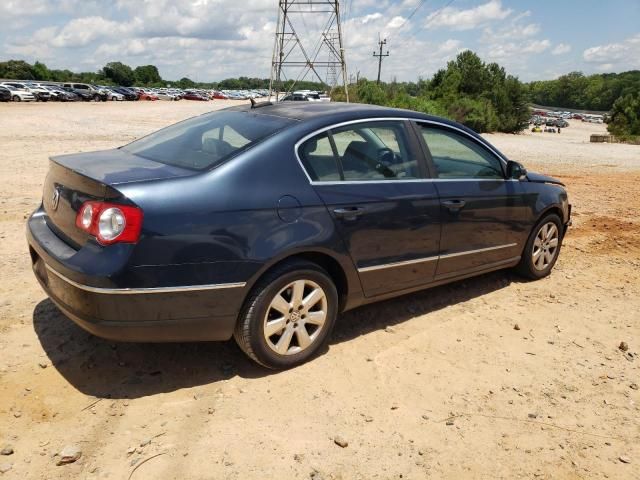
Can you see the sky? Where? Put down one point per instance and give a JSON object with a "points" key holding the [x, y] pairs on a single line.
{"points": [[209, 40]]}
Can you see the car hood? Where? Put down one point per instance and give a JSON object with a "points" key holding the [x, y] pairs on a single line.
{"points": [[113, 167], [539, 178]]}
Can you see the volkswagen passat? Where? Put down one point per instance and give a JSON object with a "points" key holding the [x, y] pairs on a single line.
{"points": [[264, 222]]}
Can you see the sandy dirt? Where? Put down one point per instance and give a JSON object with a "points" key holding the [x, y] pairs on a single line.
{"points": [[437, 384]]}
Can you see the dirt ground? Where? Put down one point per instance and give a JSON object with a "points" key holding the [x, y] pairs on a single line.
{"points": [[437, 384]]}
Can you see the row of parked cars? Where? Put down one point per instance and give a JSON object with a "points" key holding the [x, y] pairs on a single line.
{"points": [[538, 121], [28, 91], [584, 117]]}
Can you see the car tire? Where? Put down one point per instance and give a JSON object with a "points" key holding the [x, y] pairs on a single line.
{"points": [[542, 248], [294, 334], [16, 98]]}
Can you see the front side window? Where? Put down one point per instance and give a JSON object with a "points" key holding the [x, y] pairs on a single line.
{"points": [[368, 151], [457, 156], [208, 140]]}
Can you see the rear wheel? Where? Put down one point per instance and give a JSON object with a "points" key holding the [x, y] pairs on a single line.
{"points": [[16, 98], [542, 249], [289, 315]]}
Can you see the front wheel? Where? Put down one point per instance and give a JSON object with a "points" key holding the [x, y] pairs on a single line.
{"points": [[542, 249], [289, 315]]}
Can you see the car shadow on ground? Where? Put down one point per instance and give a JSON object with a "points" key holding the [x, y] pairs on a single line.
{"points": [[378, 316], [107, 369]]}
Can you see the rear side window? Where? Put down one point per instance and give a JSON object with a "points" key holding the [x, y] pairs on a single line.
{"points": [[206, 141], [457, 156], [368, 151], [319, 160]]}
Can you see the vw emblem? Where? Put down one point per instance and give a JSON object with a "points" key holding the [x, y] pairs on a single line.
{"points": [[55, 200]]}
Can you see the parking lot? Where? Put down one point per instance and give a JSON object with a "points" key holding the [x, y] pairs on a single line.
{"points": [[492, 377]]}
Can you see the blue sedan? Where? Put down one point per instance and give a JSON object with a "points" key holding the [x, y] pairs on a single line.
{"points": [[264, 222]]}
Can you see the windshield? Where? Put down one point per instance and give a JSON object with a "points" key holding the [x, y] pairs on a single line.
{"points": [[208, 140]]}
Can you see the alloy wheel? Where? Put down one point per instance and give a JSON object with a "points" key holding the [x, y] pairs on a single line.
{"points": [[295, 317], [545, 246]]}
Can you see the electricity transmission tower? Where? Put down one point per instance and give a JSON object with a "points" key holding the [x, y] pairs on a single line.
{"points": [[297, 56], [381, 43]]}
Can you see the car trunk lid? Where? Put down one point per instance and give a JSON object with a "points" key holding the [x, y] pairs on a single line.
{"points": [[78, 178]]}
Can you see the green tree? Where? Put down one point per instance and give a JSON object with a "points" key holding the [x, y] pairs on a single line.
{"points": [[625, 116], [40, 71], [119, 73], [147, 74], [16, 69], [185, 82]]}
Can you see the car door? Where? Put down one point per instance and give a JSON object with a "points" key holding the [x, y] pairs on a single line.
{"points": [[480, 209], [371, 178]]}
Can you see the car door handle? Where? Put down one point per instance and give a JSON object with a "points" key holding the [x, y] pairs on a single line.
{"points": [[454, 206], [348, 213]]}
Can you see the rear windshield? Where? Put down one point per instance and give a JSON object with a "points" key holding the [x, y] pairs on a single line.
{"points": [[206, 141]]}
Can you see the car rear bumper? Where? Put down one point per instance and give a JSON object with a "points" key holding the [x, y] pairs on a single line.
{"points": [[159, 314]]}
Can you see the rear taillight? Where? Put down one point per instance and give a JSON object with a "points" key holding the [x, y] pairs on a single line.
{"points": [[110, 222]]}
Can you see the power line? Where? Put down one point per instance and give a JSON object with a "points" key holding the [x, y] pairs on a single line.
{"points": [[435, 15], [411, 15]]}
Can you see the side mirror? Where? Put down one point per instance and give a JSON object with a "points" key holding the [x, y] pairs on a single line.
{"points": [[516, 170]]}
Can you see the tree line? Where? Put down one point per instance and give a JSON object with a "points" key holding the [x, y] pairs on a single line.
{"points": [[118, 73], [592, 92]]}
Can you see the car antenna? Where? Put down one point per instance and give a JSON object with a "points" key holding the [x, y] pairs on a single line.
{"points": [[255, 104]]}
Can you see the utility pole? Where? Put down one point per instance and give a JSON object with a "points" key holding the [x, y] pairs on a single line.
{"points": [[381, 43]]}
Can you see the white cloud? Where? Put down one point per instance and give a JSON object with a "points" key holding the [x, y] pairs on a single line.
{"points": [[372, 16], [19, 8], [536, 46], [561, 49], [80, 32], [396, 22], [458, 19], [623, 55]]}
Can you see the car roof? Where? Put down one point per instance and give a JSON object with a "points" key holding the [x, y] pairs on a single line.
{"points": [[315, 110], [313, 115]]}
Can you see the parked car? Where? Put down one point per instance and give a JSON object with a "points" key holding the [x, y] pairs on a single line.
{"points": [[112, 94], [58, 94], [264, 222], [146, 95], [18, 95], [40, 94], [128, 93], [5, 94], [191, 95], [167, 96], [86, 91], [219, 96], [295, 97]]}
